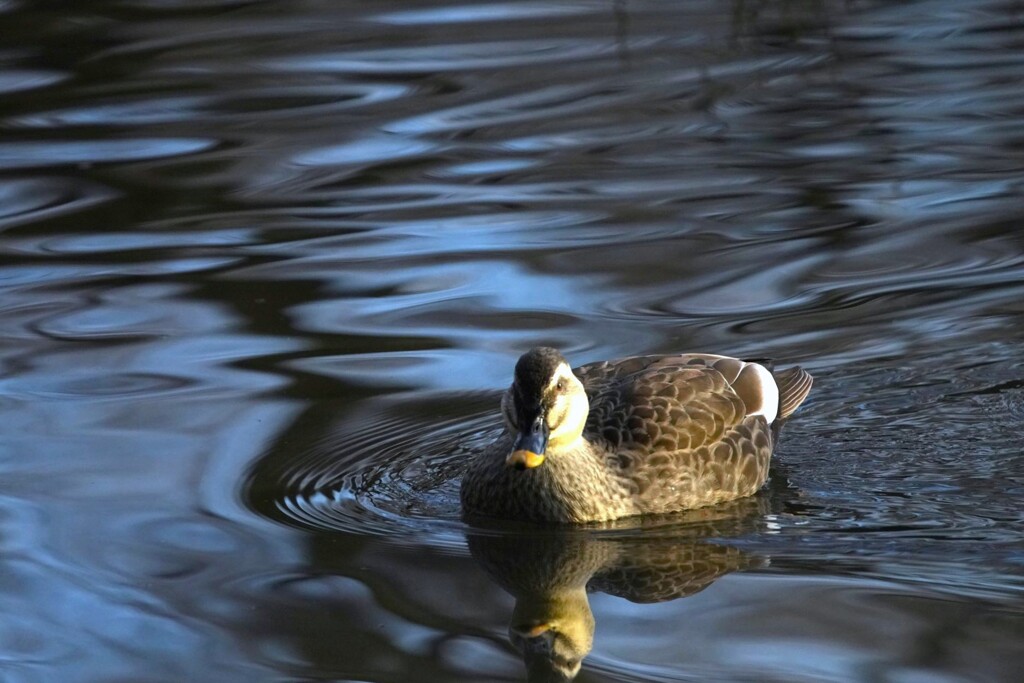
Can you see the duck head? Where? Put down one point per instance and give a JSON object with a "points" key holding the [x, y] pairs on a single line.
{"points": [[553, 632], [545, 409]]}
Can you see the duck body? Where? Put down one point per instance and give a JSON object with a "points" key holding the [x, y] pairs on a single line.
{"points": [[640, 435]]}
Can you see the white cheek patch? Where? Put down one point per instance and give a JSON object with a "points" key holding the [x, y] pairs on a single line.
{"points": [[568, 414], [562, 373]]}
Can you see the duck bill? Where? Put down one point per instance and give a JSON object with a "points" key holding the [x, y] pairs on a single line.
{"points": [[530, 444]]}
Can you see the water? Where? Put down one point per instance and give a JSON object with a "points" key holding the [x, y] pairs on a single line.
{"points": [[267, 266]]}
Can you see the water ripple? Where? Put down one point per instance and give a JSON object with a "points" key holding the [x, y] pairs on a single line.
{"points": [[152, 110], [35, 154], [268, 265], [426, 60], [382, 149], [335, 481], [18, 80], [29, 200], [482, 12]]}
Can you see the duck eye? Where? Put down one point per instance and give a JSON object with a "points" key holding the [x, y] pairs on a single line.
{"points": [[561, 385]]}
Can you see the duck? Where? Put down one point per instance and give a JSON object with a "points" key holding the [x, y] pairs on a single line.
{"points": [[633, 436]]}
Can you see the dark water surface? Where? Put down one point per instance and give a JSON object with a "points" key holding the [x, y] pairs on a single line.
{"points": [[266, 266]]}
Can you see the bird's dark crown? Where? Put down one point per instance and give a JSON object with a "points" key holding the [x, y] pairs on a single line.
{"points": [[535, 369]]}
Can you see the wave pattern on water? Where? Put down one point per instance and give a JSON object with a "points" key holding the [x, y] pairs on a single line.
{"points": [[391, 466], [267, 265]]}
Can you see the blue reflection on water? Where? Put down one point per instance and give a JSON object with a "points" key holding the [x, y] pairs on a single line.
{"points": [[266, 269]]}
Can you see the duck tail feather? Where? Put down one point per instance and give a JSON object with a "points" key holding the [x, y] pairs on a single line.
{"points": [[794, 384]]}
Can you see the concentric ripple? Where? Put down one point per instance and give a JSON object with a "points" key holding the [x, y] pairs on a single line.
{"points": [[390, 466]]}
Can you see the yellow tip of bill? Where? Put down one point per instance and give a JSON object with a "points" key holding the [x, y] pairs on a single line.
{"points": [[522, 460]]}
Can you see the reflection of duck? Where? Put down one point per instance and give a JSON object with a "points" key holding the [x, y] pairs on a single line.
{"points": [[550, 572], [649, 434]]}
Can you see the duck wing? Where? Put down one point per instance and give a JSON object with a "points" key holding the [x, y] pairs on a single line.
{"points": [[682, 431], [660, 403], [617, 388]]}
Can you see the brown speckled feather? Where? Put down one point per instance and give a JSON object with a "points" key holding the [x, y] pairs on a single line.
{"points": [[676, 432]]}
